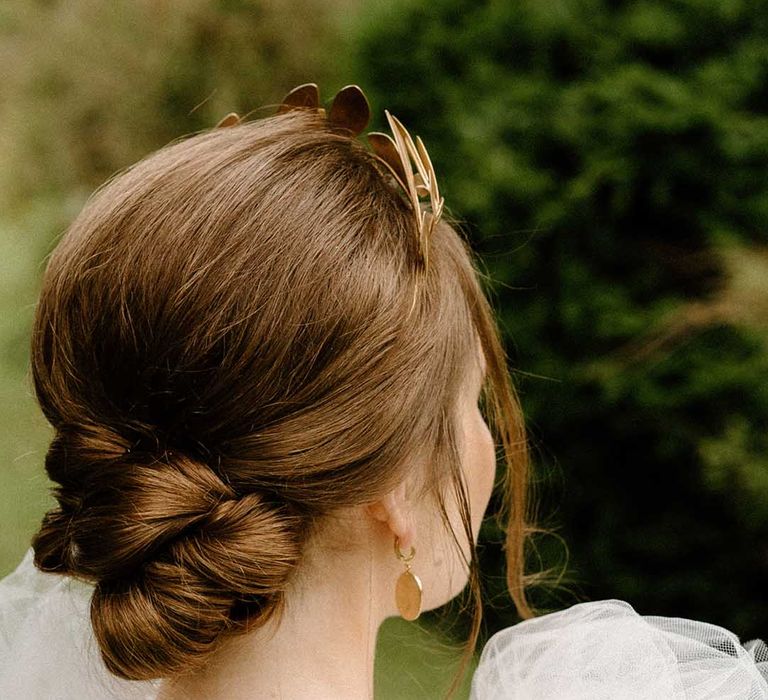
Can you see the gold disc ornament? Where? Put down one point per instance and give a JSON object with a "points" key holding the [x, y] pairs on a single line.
{"points": [[408, 589]]}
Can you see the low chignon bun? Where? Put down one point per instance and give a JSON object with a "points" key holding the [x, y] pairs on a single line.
{"points": [[176, 555]]}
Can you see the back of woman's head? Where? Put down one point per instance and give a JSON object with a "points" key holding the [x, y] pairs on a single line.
{"points": [[226, 347]]}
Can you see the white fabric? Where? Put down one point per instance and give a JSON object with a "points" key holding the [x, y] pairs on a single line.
{"points": [[47, 647], [591, 651], [605, 650]]}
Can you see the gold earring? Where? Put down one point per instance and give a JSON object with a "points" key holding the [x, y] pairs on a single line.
{"points": [[408, 589]]}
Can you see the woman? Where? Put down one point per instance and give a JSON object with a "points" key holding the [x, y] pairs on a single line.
{"points": [[265, 359], [263, 365]]}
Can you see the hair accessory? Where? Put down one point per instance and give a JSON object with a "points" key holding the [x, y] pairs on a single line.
{"points": [[349, 110], [397, 155], [349, 114], [230, 120], [408, 590]]}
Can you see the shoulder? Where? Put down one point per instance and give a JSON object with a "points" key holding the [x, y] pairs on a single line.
{"points": [[605, 649]]}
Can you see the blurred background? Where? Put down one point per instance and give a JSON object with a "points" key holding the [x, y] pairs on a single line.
{"points": [[609, 162]]}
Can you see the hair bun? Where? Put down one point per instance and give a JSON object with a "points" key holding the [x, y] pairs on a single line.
{"points": [[224, 563], [177, 555]]}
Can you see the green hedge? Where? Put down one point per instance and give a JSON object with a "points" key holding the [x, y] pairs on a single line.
{"points": [[611, 160]]}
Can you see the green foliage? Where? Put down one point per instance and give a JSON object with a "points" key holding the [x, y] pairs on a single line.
{"points": [[24, 493], [412, 662], [90, 87], [609, 161]]}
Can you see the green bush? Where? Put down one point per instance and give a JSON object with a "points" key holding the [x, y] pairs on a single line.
{"points": [[610, 161]]}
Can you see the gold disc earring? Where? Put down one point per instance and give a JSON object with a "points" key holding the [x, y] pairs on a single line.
{"points": [[408, 589]]}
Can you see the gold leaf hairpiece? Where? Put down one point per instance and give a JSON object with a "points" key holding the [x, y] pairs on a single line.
{"points": [[230, 120], [397, 155], [350, 113]]}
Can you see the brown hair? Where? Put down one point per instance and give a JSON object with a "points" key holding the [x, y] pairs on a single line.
{"points": [[225, 348]]}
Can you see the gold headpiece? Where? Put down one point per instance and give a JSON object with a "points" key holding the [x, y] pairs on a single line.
{"points": [[350, 113]]}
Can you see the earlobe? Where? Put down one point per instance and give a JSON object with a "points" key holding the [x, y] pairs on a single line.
{"points": [[392, 511]]}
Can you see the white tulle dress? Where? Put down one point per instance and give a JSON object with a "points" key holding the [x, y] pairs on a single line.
{"points": [[604, 650], [591, 651]]}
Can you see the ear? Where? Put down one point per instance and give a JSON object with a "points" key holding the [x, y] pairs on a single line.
{"points": [[393, 509]]}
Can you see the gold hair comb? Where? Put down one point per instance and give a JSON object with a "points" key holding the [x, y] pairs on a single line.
{"points": [[349, 114]]}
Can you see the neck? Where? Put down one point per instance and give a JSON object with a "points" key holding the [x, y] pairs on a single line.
{"points": [[322, 647]]}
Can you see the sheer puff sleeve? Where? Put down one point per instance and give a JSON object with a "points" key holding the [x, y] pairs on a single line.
{"points": [[605, 650]]}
